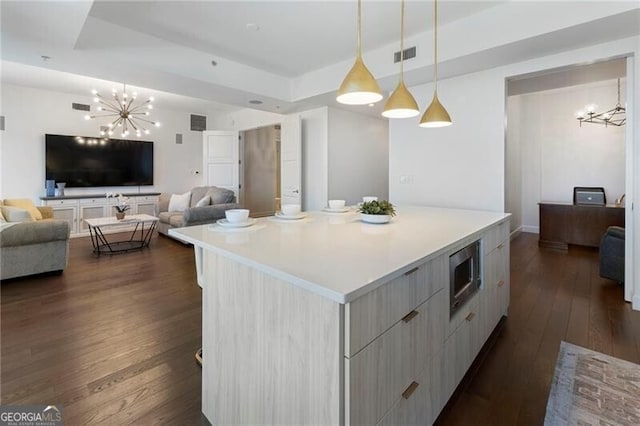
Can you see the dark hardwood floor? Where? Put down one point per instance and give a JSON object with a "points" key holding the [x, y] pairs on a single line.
{"points": [[112, 339]]}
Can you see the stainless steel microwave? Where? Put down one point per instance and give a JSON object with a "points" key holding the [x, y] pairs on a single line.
{"points": [[464, 276]]}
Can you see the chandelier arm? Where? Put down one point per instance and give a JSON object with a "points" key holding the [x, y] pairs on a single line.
{"points": [[108, 104], [130, 102], [104, 115], [145, 120], [135, 108]]}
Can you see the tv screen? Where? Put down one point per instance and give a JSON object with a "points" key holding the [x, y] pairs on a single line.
{"points": [[85, 161]]}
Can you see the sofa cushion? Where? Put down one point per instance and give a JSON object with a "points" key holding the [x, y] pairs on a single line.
{"points": [[197, 193], [165, 216], [24, 203], [204, 201], [179, 202], [16, 214], [34, 232], [177, 221], [220, 195], [2, 217]]}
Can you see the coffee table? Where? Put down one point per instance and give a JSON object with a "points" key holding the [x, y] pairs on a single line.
{"points": [[140, 236]]}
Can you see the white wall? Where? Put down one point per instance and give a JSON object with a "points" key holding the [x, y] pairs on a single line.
{"points": [[31, 113], [513, 166], [358, 156], [244, 119], [558, 154], [463, 165]]}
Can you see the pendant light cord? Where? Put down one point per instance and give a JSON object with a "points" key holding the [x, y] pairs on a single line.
{"points": [[435, 44], [402, 42], [359, 48]]}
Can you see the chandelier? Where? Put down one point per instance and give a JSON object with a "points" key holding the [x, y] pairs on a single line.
{"points": [[127, 115], [616, 116]]}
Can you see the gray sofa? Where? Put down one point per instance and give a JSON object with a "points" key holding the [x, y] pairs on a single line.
{"points": [[28, 248], [221, 200]]}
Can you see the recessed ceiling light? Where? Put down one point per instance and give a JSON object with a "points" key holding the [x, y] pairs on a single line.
{"points": [[253, 27], [214, 63], [255, 102]]}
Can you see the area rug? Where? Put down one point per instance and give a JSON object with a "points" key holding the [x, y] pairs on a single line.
{"points": [[590, 388]]}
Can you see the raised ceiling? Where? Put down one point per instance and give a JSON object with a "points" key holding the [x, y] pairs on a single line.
{"points": [[300, 51]]}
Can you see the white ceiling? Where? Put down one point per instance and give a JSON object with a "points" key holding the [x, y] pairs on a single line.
{"points": [[300, 52], [293, 37]]}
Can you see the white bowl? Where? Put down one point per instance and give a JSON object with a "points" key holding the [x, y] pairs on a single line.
{"points": [[336, 204], [290, 209], [237, 215], [369, 199]]}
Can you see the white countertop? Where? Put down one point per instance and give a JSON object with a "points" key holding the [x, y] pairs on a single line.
{"points": [[338, 256]]}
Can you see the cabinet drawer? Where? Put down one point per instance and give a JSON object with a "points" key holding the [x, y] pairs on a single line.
{"points": [[414, 407], [54, 203], [370, 315], [101, 200], [495, 236], [146, 198], [378, 375]]}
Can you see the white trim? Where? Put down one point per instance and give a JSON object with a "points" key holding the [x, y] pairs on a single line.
{"points": [[630, 165], [636, 303], [531, 229]]}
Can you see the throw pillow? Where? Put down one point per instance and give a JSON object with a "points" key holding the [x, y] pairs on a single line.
{"points": [[26, 204], [16, 214], [220, 195], [179, 202], [1, 217], [204, 201]]}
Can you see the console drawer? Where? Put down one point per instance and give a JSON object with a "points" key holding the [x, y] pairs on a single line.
{"points": [[495, 236]]}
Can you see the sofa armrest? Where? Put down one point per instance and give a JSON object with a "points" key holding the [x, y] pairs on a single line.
{"points": [[206, 214], [46, 211], [163, 202]]}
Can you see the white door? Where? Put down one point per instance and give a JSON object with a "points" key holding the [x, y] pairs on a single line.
{"points": [[221, 158], [291, 160]]}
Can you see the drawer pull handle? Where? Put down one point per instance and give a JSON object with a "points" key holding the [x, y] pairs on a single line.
{"points": [[470, 316], [411, 271], [500, 283], [411, 315], [410, 390]]}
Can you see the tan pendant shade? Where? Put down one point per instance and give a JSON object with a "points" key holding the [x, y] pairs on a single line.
{"points": [[435, 115], [359, 87], [401, 103]]}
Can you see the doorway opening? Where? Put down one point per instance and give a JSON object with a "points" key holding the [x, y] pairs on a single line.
{"points": [[549, 152], [260, 170]]}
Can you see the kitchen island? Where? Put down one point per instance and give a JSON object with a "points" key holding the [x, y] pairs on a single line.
{"points": [[328, 320]]}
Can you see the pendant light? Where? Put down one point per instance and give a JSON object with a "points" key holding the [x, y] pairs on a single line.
{"points": [[435, 115], [401, 104], [359, 86]]}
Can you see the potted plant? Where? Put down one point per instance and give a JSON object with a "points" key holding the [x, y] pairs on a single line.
{"points": [[121, 205], [376, 211]]}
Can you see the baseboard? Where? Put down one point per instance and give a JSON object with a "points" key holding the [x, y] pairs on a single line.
{"points": [[515, 232], [636, 303], [531, 229]]}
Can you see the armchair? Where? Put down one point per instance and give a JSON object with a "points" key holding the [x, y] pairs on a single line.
{"points": [[612, 254]]}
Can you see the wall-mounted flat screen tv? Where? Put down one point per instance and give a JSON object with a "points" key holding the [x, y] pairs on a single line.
{"points": [[85, 161]]}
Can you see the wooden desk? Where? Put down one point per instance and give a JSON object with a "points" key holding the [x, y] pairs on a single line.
{"points": [[562, 224]]}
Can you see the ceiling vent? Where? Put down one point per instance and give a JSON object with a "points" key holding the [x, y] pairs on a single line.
{"points": [[198, 123], [408, 54], [80, 107]]}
